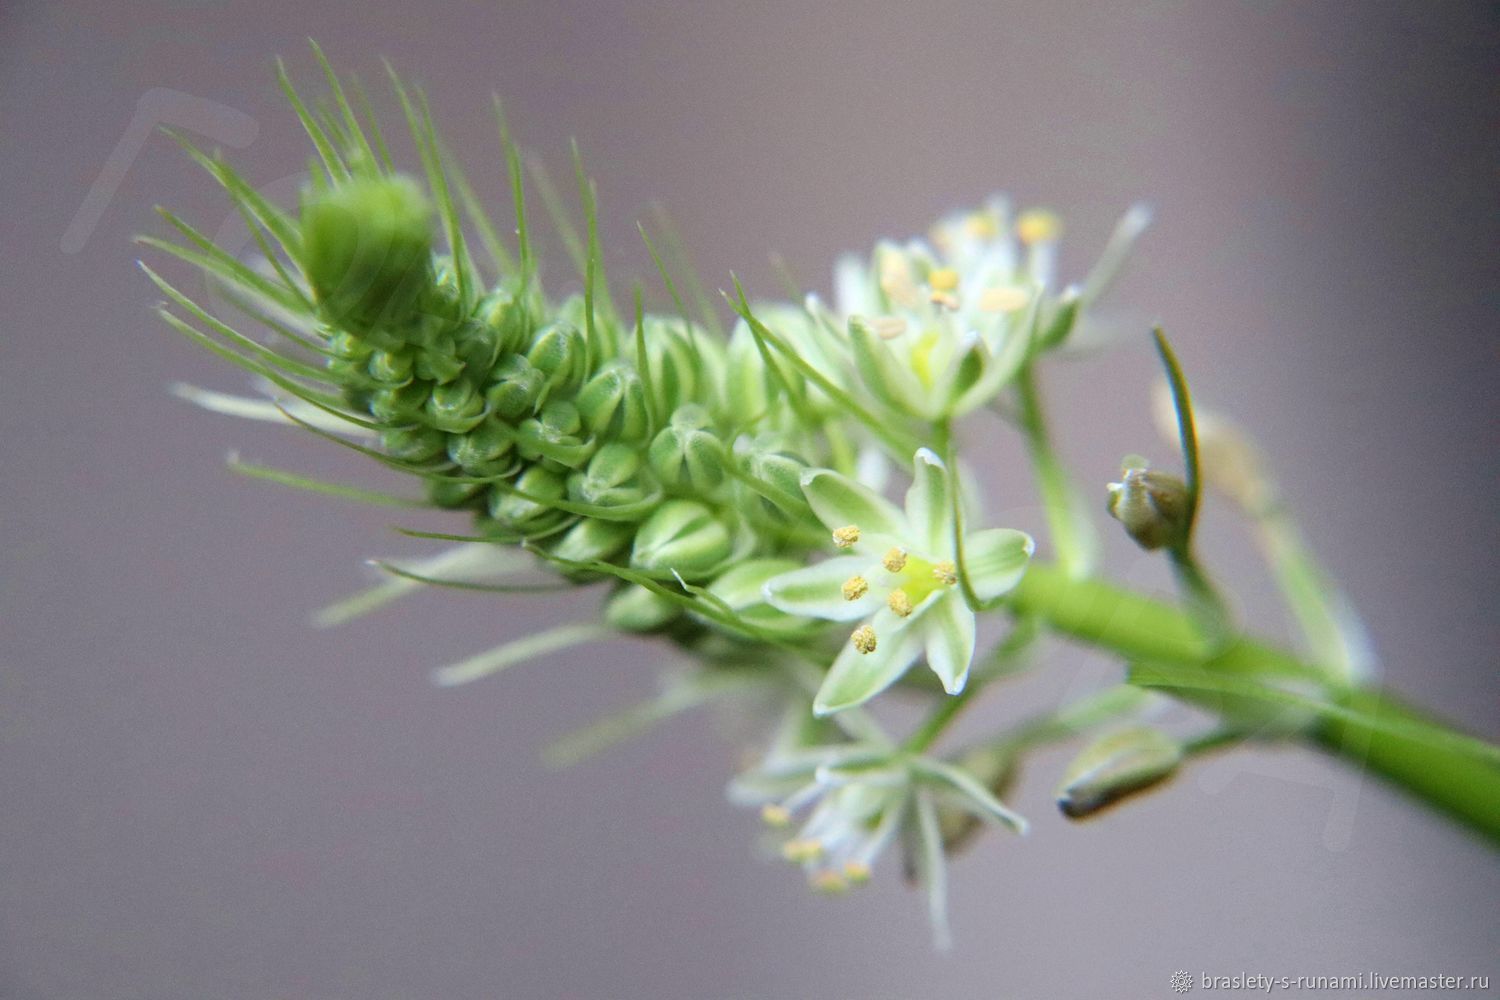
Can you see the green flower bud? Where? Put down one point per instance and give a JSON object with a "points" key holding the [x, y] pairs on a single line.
{"points": [[455, 407], [507, 320], [399, 405], [452, 493], [553, 435], [687, 455], [777, 475], [367, 252], [560, 353], [613, 404], [611, 478], [592, 539], [636, 609], [348, 357], [438, 361], [1151, 505], [390, 367], [686, 365], [1115, 766], [681, 535], [478, 451], [515, 387], [742, 589], [414, 443], [520, 513]]}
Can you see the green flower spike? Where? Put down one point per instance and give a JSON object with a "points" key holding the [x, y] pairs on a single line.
{"points": [[900, 581]]}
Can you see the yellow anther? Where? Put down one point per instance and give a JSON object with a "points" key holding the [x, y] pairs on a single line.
{"points": [[1003, 300], [855, 587], [896, 281], [945, 573], [775, 815], [895, 560], [799, 851], [829, 882], [899, 603], [1037, 226], [863, 639], [980, 226], [856, 872], [846, 536], [887, 327], [947, 300], [943, 279]]}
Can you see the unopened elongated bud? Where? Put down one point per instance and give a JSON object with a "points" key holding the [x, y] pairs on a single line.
{"points": [[1115, 766], [367, 253], [682, 536], [1151, 505]]}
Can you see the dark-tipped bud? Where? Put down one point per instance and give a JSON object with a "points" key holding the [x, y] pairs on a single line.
{"points": [[1151, 505], [1115, 766], [367, 253]]}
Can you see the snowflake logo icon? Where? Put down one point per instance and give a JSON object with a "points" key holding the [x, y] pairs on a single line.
{"points": [[1182, 981]]}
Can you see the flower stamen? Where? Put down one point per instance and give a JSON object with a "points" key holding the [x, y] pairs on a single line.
{"points": [[943, 279], [945, 573], [775, 815], [799, 851], [846, 536], [1003, 300], [1037, 226], [899, 602], [894, 560], [855, 587], [830, 882], [863, 639]]}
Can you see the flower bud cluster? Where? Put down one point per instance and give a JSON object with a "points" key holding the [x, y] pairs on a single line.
{"points": [[538, 418]]}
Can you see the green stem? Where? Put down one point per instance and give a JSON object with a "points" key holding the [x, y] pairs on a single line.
{"points": [[932, 727], [1067, 521], [1441, 774], [1202, 597]]}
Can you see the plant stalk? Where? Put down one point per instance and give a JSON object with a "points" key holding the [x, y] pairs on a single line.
{"points": [[1441, 774]]}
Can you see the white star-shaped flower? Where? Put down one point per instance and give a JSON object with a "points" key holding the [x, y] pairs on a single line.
{"points": [[900, 581]]}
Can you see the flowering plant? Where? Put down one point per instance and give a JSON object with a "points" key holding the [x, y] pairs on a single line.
{"points": [[728, 491]]}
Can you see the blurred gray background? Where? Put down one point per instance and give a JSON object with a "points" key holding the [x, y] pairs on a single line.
{"points": [[203, 797]]}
